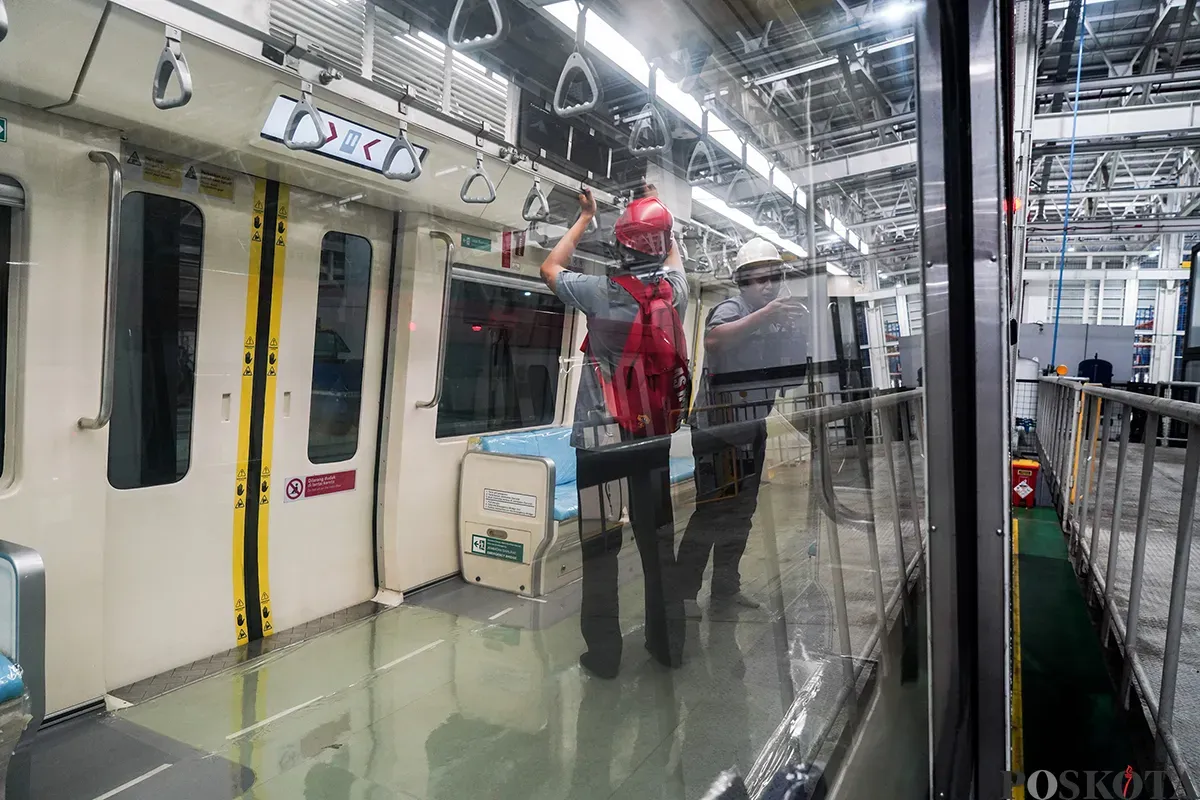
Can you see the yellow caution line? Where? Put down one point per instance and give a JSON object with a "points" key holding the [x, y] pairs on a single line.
{"points": [[1018, 721], [243, 456], [279, 237]]}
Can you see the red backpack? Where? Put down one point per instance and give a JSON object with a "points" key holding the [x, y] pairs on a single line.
{"points": [[650, 385]]}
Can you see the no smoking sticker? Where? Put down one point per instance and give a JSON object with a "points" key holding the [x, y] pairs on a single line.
{"points": [[317, 485]]}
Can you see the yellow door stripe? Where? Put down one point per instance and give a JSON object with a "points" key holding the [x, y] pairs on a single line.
{"points": [[279, 237], [243, 454], [1018, 722]]}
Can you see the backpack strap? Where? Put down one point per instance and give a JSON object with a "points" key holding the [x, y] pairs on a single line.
{"points": [[642, 292]]}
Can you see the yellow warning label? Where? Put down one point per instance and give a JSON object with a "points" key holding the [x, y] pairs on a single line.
{"points": [[243, 455], [157, 169], [178, 173], [216, 184]]}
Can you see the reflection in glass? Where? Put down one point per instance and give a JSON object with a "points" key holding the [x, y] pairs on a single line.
{"points": [[501, 359], [338, 346], [158, 280]]}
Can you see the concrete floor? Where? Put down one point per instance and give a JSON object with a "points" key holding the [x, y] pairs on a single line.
{"points": [[451, 695]]}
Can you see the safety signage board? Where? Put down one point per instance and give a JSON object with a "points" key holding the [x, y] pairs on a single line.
{"points": [[477, 243], [502, 549], [140, 164], [349, 142], [515, 503], [316, 485]]}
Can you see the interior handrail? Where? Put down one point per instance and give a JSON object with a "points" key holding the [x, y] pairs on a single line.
{"points": [[112, 257], [577, 62], [464, 45], [441, 353], [171, 60]]}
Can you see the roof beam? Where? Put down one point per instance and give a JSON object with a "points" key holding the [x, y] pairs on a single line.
{"points": [[1106, 122], [1101, 84], [889, 156]]}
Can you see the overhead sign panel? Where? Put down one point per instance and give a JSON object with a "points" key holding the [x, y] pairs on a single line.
{"points": [[352, 143]]}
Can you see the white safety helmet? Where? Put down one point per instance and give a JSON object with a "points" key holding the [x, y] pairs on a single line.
{"points": [[757, 252]]}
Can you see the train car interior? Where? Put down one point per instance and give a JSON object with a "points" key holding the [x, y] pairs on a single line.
{"points": [[581, 399]]}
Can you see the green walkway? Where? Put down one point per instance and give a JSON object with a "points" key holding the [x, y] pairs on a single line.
{"points": [[1071, 718]]}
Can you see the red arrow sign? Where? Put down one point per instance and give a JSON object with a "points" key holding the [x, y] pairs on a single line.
{"points": [[332, 132], [367, 147]]}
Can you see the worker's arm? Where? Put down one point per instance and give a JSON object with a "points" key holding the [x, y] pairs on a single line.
{"points": [[556, 262], [727, 334]]}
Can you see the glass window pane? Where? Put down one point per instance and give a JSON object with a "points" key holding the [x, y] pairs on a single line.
{"points": [[158, 301], [338, 347], [501, 359]]}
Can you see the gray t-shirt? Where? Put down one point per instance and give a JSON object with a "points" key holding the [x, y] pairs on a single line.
{"points": [[773, 345], [600, 298]]}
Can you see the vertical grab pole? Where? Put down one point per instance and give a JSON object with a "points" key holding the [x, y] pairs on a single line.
{"points": [[441, 352], [112, 257]]}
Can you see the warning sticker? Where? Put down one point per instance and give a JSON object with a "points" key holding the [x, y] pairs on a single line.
{"points": [[317, 485], [177, 173], [520, 505], [1023, 490]]}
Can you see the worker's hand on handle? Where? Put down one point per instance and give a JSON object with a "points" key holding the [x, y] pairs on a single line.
{"points": [[587, 204]]}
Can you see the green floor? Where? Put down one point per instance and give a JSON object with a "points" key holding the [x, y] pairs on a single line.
{"points": [[1072, 720]]}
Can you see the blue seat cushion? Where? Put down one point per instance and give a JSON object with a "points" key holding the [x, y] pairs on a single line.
{"points": [[12, 684], [682, 469], [566, 502], [551, 443]]}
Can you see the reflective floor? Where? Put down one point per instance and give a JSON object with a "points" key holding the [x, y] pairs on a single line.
{"points": [[463, 688]]}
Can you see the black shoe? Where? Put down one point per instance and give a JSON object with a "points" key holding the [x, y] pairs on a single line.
{"points": [[598, 667]]}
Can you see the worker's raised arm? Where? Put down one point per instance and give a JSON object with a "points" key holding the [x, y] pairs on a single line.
{"points": [[557, 261]]}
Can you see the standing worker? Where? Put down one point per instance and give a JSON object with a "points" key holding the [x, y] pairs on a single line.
{"points": [[632, 396], [753, 330]]}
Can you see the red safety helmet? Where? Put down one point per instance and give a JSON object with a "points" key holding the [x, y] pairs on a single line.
{"points": [[645, 227]]}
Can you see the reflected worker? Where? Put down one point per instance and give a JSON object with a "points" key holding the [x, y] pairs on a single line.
{"points": [[749, 331], [633, 388]]}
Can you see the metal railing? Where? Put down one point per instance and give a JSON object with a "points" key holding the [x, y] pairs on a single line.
{"points": [[859, 431], [1076, 423]]}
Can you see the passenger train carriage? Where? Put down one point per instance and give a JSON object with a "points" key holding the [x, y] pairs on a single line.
{"points": [[221, 355], [277, 354]]}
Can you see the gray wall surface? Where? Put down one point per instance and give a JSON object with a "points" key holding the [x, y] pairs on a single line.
{"points": [[1113, 343]]}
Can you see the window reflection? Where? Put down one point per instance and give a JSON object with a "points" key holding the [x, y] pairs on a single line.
{"points": [[338, 346]]}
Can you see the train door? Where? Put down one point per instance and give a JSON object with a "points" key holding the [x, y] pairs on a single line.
{"points": [[326, 419], [248, 361]]}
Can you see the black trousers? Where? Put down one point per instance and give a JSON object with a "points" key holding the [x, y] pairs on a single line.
{"points": [[724, 513], [645, 473]]}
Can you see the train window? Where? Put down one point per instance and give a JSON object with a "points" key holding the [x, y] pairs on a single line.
{"points": [[338, 346], [158, 302], [501, 369]]}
